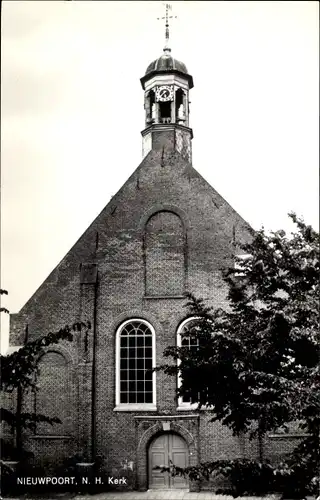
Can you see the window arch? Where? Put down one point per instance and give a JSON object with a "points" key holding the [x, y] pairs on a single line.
{"points": [[135, 358], [52, 398], [191, 343], [164, 253]]}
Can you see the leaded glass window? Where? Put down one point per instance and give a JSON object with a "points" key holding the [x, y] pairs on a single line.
{"points": [[136, 363], [189, 341]]}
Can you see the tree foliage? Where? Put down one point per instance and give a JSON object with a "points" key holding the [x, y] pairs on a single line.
{"points": [[3, 309], [257, 361]]}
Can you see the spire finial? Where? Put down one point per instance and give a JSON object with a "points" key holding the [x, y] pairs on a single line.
{"points": [[168, 7]]}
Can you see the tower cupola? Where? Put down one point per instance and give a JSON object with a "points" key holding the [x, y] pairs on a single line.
{"points": [[167, 63], [166, 86]]}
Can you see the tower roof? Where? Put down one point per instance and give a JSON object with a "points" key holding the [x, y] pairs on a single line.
{"points": [[166, 63]]}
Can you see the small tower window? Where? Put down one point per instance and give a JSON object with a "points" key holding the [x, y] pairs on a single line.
{"points": [[180, 106], [150, 107], [165, 112]]}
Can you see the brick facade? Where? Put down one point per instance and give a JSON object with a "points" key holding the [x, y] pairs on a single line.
{"points": [[104, 279]]}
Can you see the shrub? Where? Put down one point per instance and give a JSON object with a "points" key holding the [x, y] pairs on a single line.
{"points": [[291, 478], [245, 476], [296, 480]]}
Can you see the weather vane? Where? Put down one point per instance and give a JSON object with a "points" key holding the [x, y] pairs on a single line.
{"points": [[168, 7]]}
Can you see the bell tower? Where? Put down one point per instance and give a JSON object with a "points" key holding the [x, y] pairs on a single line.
{"points": [[166, 86]]}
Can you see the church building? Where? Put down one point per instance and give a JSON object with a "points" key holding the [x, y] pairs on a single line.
{"points": [[165, 232]]}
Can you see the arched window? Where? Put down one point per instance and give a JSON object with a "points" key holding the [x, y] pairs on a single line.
{"points": [[165, 112], [164, 255], [180, 106], [135, 358], [150, 100], [52, 398], [192, 343]]}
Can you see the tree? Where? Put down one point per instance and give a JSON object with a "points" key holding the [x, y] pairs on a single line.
{"points": [[18, 371], [257, 363]]}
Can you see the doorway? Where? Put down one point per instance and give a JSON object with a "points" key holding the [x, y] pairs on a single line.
{"points": [[164, 450]]}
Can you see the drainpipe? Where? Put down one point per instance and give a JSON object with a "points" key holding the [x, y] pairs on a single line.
{"points": [[93, 378], [19, 404], [86, 469]]}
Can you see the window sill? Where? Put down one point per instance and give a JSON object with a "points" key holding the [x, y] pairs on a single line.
{"points": [[150, 297], [193, 408], [135, 407], [288, 436], [49, 436], [187, 407]]}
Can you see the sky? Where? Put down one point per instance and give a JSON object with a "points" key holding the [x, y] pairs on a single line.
{"points": [[72, 112]]}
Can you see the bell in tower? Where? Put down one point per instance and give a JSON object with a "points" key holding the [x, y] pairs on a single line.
{"points": [[166, 84]]}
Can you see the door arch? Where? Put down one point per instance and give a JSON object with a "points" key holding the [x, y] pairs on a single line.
{"points": [[165, 449]]}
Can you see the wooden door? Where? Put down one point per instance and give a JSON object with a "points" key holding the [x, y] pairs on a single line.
{"points": [[165, 449]]}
